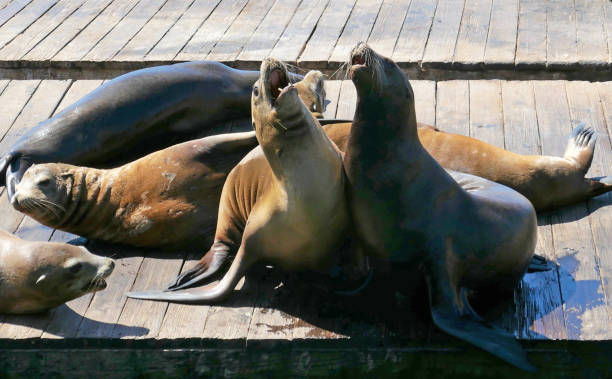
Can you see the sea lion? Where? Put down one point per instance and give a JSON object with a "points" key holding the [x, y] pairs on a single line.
{"points": [[36, 276], [169, 198], [461, 232], [547, 181], [161, 105], [283, 203]]}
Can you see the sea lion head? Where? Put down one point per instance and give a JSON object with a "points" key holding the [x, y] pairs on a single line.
{"points": [[276, 108], [381, 84], [43, 192], [312, 92], [47, 274]]}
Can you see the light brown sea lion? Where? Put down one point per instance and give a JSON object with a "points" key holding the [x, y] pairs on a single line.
{"points": [[36, 276], [462, 232], [283, 203]]}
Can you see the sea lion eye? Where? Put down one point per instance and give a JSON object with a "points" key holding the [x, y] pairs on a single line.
{"points": [[256, 91], [44, 182], [75, 268]]}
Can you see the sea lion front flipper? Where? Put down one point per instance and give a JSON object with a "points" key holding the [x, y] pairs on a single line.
{"points": [[451, 312], [538, 263], [206, 270]]}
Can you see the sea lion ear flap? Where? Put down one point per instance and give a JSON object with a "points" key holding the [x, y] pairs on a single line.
{"points": [[316, 84], [451, 312]]}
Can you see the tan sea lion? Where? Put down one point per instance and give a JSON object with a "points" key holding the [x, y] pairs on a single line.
{"points": [[283, 203], [461, 232], [36, 276]]}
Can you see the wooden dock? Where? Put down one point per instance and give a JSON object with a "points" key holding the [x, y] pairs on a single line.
{"points": [[465, 57]]}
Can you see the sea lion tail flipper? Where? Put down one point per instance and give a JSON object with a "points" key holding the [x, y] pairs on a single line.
{"points": [[205, 270], [538, 263], [581, 147], [451, 312], [206, 294]]}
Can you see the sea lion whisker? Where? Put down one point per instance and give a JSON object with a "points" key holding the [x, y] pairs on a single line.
{"points": [[55, 205], [42, 204]]}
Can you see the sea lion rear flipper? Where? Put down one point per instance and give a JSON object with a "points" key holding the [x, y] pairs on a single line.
{"points": [[451, 312], [205, 270], [581, 147]]}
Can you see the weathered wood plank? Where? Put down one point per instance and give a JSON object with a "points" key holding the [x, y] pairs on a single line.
{"points": [[67, 30], [539, 308], [298, 31], [561, 48], [586, 106], [22, 20], [413, 37], [78, 47], [347, 100], [332, 94], [36, 32], [472, 39], [531, 39], [486, 120], [453, 107], [357, 28], [608, 26], [153, 31], [184, 320], [501, 42], [235, 38], [212, 30], [592, 47], [388, 26], [13, 99], [180, 33], [572, 236], [11, 9], [155, 272], [425, 100], [110, 45], [268, 31], [442, 40], [328, 29]]}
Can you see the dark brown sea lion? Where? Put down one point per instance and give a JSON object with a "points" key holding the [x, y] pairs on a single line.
{"points": [[283, 203], [136, 114], [36, 276], [548, 182], [462, 232]]}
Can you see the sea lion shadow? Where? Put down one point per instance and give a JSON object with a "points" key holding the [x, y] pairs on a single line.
{"points": [[64, 322], [574, 212]]}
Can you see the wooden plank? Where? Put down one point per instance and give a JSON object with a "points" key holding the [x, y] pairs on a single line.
{"points": [[412, 39], [13, 99], [608, 25], [388, 26], [22, 20], [78, 47], [178, 35], [211, 30], [538, 298], [328, 29], [591, 38], [472, 38], [501, 42], [453, 107], [36, 32], [332, 94], [425, 100], [357, 28], [153, 31], [347, 101], [585, 105], [297, 33], [443, 36], [3, 84], [184, 320], [572, 236], [486, 120], [531, 40], [11, 9], [156, 271], [110, 45], [68, 29], [235, 38], [561, 48], [269, 31]]}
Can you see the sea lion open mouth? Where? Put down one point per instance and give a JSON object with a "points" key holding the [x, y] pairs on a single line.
{"points": [[279, 82]]}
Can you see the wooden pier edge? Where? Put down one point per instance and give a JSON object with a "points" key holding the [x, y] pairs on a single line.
{"points": [[282, 358]]}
